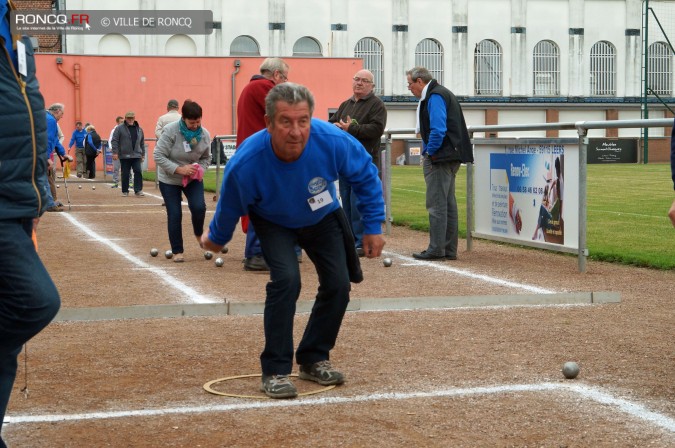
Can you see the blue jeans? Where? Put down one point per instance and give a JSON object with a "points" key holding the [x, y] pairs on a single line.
{"points": [[349, 204], [442, 207], [252, 247], [126, 165], [28, 299], [324, 245], [172, 194]]}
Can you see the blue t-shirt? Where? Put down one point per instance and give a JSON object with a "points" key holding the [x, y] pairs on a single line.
{"points": [[256, 180], [78, 138]]}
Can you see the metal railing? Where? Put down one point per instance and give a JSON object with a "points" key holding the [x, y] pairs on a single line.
{"points": [[582, 128]]}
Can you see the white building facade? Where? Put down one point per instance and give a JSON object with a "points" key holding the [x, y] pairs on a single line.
{"points": [[509, 61]]}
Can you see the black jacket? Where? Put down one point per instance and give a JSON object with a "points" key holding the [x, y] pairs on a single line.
{"points": [[23, 139], [456, 144], [369, 116]]}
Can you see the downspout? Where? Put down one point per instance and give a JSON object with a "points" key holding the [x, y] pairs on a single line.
{"points": [[237, 64], [75, 80]]}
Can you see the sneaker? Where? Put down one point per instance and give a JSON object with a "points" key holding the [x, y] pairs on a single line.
{"points": [[115, 185], [139, 194], [278, 386], [321, 372], [55, 208], [125, 193], [255, 263]]}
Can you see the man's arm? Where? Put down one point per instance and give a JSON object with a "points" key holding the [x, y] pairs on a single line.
{"points": [[438, 123], [371, 125], [158, 128], [72, 140]]}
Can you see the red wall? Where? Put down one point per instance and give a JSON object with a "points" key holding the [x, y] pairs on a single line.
{"points": [[113, 85]]}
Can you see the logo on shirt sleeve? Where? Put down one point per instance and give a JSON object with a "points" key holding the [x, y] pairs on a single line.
{"points": [[317, 185]]}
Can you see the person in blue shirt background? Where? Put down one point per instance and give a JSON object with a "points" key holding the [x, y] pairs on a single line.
{"points": [[78, 139], [53, 115], [28, 298], [284, 177]]}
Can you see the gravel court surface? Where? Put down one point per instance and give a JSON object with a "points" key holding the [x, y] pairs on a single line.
{"points": [[624, 350]]}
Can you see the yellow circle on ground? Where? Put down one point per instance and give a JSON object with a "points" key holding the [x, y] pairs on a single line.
{"points": [[207, 387]]}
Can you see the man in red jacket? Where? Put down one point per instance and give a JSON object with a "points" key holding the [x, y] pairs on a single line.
{"points": [[251, 119]]}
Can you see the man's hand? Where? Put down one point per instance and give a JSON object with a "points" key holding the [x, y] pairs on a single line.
{"points": [[671, 213], [207, 244], [69, 157], [372, 245], [344, 124]]}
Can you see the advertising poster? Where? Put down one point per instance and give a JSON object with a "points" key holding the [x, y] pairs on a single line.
{"points": [[522, 194], [107, 159]]}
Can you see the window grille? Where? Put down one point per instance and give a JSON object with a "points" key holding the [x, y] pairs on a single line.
{"points": [[429, 54], [546, 69], [603, 69], [660, 69], [488, 68], [370, 50], [307, 47], [244, 46]]}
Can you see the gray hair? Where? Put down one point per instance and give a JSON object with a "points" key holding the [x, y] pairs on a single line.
{"points": [[56, 107], [290, 93], [269, 65], [420, 73]]}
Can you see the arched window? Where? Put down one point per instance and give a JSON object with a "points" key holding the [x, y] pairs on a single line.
{"points": [[546, 69], [429, 54], [180, 45], [488, 68], [114, 45], [603, 69], [244, 46], [660, 69], [307, 47], [370, 50]]}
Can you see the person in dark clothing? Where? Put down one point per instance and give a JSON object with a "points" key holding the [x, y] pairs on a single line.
{"points": [[671, 212], [91, 151], [128, 145], [28, 298]]}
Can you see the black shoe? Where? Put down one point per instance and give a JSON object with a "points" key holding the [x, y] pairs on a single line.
{"points": [[450, 257], [424, 255], [360, 252], [255, 263]]}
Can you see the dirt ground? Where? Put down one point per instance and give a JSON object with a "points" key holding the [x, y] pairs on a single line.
{"points": [[476, 376]]}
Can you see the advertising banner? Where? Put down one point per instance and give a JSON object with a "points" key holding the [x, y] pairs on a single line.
{"points": [[527, 191], [606, 150]]}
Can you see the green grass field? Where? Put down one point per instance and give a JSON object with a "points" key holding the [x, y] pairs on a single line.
{"points": [[627, 206]]}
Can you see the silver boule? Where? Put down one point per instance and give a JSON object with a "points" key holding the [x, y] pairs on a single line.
{"points": [[386, 262], [219, 262], [570, 370], [168, 254], [154, 252], [208, 255], [224, 250]]}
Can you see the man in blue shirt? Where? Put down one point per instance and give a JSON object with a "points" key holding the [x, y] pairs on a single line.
{"points": [[78, 139], [446, 147], [283, 178]]}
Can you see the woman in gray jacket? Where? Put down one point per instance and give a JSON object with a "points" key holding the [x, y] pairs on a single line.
{"points": [[182, 155]]}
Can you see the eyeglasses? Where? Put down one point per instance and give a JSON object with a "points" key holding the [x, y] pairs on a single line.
{"points": [[363, 80], [283, 76]]}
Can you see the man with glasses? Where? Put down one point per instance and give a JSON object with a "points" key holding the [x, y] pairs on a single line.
{"points": [[446, 146], [363, 116], [128, 145], [251, 119]]}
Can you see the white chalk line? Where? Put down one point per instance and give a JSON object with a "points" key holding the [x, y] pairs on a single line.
{"points": [[595, 394], [664, 217], [192, 295], [442, 266]]}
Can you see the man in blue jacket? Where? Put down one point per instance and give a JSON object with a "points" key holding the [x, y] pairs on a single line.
{"points": [[446, 147], [78, 139], [54, 114], [283, 178], [28, 298]]}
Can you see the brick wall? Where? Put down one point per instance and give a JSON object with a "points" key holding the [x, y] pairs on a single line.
{"points": [[46, 43]]}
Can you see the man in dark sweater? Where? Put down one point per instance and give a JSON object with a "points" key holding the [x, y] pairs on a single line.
{"points": [[363, 116]]}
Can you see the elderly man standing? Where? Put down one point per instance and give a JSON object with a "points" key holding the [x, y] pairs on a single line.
{"points": [[78, 139], [363, 116], [446, 147], [128, 145], [170, 116], [251, 119], [284, 178]]}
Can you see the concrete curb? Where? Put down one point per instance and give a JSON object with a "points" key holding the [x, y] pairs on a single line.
{"points": [[382, 304]]}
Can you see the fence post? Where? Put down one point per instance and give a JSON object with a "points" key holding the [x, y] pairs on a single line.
{"points": [[386, 173], [583, 177]]}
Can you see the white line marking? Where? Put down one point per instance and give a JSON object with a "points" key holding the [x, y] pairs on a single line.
{"points": [[633, 409], [441, 266], [192, 295], [628, 214]]}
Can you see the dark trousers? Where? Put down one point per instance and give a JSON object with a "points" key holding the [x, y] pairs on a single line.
{"points": [[126, 165], [28, 299], [90, 166], [172, 194], [324, 245]]}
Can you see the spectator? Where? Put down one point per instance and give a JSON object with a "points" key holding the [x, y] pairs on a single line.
{"points": [[170, 116], [446, 146], [363, 116], [128, 145], [78, 139], [28, 296], [284, 178], [116, 162], [53, 115], [182, 155], [92, 150]]}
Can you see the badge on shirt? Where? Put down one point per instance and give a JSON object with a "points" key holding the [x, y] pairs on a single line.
{"points": [[21, 57], [187, 147], [320, 200]]}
